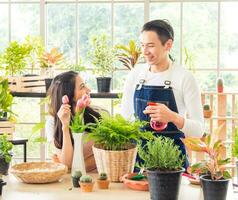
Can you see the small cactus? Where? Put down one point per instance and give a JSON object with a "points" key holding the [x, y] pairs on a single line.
{"points": [[102, 176], [77, 174], [206, 107], [219, 81], [86, 179]]}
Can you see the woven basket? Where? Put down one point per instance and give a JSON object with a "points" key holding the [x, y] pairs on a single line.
{"points": [[115, 163], [38, 172]]}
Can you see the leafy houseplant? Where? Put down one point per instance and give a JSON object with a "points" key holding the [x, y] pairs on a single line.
{"points": [[129, 55], [6, 99], [48, 61], [216, 178], [5, 154], [207, 112], [14, 58], [113, 144], [163, 161], [103, 181], [102, 56], [220, 85], [86, 183]]}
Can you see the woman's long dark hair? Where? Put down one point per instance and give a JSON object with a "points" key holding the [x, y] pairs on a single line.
{"points": [[63, 84]]}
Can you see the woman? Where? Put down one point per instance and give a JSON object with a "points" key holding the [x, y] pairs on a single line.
{"points": [[57, 125], [173, 90]]}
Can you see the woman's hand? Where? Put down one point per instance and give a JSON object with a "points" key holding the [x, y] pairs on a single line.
{"points": [[159, 113], [64, 114]]}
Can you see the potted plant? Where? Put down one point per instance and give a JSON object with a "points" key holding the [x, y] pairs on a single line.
{"points": [[6, 100], [163, 162], [220, 85], [75, 178], [49, 60], [207, 112], [215, 177], [115, 144], [86, 183], [235, 148], [14, 58], [102, 56], [129, 55], [102, 181], [5, 154]]}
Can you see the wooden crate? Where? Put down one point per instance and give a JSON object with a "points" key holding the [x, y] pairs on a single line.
{"points": [[7, 127], [27, 84]]}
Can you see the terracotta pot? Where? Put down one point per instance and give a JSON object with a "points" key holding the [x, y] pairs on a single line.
{"points": [[103, 184], [86, 187], [141, 185], [207, 113], [219, 89]]}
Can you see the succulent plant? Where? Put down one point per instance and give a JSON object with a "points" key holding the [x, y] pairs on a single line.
{"points": [[206, 107], [77, 174], [102, 176], [86, 179]]}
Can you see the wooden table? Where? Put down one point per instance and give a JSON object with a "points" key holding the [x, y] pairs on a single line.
{"points": [[15, 190]]}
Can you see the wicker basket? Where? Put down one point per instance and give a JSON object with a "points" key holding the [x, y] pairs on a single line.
{"points": [[115, 163], [38, 172]]}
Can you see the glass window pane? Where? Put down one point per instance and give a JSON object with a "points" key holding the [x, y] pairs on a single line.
{"points": [[229, 35], [230, 81], [206, 80], [25, 20], [33, 148], [23, 108], [119, 78], [200, 33], [171, 12], [3, 26], [94, 19], [129, 19], [61, 29]]}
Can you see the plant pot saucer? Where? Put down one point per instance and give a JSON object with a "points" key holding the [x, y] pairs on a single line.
{"points": [[194, 181], [141, 185]]}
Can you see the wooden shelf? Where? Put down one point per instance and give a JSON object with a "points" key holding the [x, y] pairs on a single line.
{"points": [[113, 95]]}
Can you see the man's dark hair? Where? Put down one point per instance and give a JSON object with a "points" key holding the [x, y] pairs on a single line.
{"points": [[162, 28]]}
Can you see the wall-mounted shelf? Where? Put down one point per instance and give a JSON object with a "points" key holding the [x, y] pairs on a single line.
{"points": [[113, 95]]}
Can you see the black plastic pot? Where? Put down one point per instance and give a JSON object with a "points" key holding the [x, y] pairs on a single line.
{"points": [[164, 185], [2, 183], [4, 166], [75, 181], [48, 82], [104, 84], [214, 189], [4, 117]]}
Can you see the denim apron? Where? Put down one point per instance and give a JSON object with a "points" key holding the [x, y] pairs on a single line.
{"points": [[160, 94]]}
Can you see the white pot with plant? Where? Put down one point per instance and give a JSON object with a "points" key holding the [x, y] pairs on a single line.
{"points": [[113, 149], [78, 131], [102, 56]]}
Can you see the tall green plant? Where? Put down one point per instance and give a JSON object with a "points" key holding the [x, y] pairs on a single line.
{"points": [[235, 145], [14, 58], [102, 55], [116, 133], [161, 154], [6, 99], [5, 148]]}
